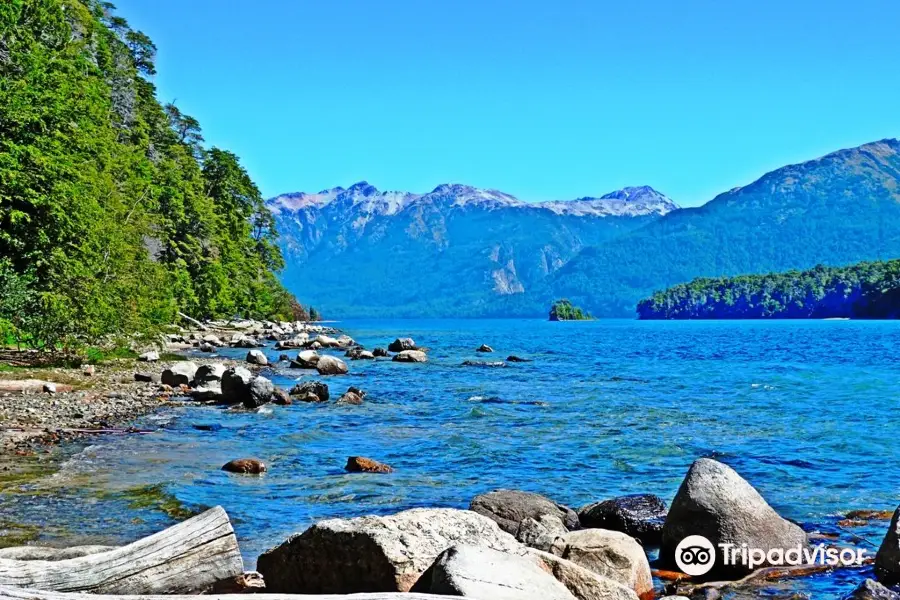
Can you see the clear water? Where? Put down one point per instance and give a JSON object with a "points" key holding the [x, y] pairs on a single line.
{"points": [[806, 411]]}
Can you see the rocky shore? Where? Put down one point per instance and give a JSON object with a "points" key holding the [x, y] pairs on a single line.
{"points": [[508, 544]]}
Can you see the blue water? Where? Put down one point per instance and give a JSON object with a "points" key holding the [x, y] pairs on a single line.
{"points": [[806, 411]]}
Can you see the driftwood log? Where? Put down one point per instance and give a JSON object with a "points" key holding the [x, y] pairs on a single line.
{"points": [[30, 386], [8, 593], [44, 553], [187, 558]]}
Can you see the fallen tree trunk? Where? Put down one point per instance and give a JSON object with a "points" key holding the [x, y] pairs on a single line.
{"points": [[44, 553], [30, 386], [7, 593], [187, 558], [193, 322]]}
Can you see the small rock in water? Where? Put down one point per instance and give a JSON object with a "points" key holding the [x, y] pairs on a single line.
{"points": [[310, 391], [257, 357], [306, 359], [281, 397], [284, 358], [401, 344], [484, 348], [206, 347], [353, 396], [380, 352], [411, 356], [151, 356], [250, 466], [514, 358], [361, 464], [887, 560], [330, 365], [483, 363], [207, 427]]}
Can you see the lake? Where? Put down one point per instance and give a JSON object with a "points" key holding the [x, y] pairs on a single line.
{"points": [[805, 410]]}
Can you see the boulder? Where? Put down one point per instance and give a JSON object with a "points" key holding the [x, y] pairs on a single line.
{"points": [[374, 554], [411, 356], [639, 515], [380, 352], [474, 572], [514, 358], [213, 340], [353, 396], [262, 391], [401, 344], [509, 507], [181, 373], [326, 341], [306, 359], [257, 357], [310, 391], [718, 504], [612, 554], [281, 397], [150, 356], [484, 348], [887, 559], [872, 590], [210, 392], [541, 533], [207, 374], [206, 347], [582, 583], [358, 353], [248, 466], [330, 365], [361, 464], [240, 386]]}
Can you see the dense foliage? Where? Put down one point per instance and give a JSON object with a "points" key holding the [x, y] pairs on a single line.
{"points": [[868, 290], [113, 216], [563, 310], [838, 210]]}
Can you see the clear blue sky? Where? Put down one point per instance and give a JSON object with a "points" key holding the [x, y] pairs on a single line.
{"points": [[541, 99]]}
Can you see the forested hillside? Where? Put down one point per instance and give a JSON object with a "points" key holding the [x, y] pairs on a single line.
{"points": [[868, 290], [113, 214], [837, 210]]}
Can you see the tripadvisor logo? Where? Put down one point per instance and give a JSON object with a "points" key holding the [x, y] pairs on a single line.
{"points": [[695, 555]]}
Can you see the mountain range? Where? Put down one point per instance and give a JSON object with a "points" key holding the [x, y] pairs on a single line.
{"points": [[465, 251]]}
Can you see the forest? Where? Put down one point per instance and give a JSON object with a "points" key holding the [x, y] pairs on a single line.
{"points": [[868, 290], [114, 214]]}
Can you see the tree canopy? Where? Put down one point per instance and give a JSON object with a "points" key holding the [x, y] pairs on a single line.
{"points": [[113, 215]]}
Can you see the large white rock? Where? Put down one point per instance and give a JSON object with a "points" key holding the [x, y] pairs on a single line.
{"points": [[720, 505], [181, 373], [476, 572], [374, 554], [411, 356], [331, 365]]}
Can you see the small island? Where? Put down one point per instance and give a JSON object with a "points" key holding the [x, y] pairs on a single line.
{"points": [[868, 290], [563, 310]]}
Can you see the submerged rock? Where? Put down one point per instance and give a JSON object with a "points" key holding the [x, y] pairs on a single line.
{"points": [[361, 464], [483, 363], [281, 397], [380, 352], [366, 554], [352, 396], [411, 356], [401, 344], [718, 504], [181, 373], [510, 507], [248, 466], [484, 348], [639, 515], [514, 358]]}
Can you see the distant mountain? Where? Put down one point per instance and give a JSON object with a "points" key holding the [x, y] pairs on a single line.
{"points": [[840, 209], [454, 251]]}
